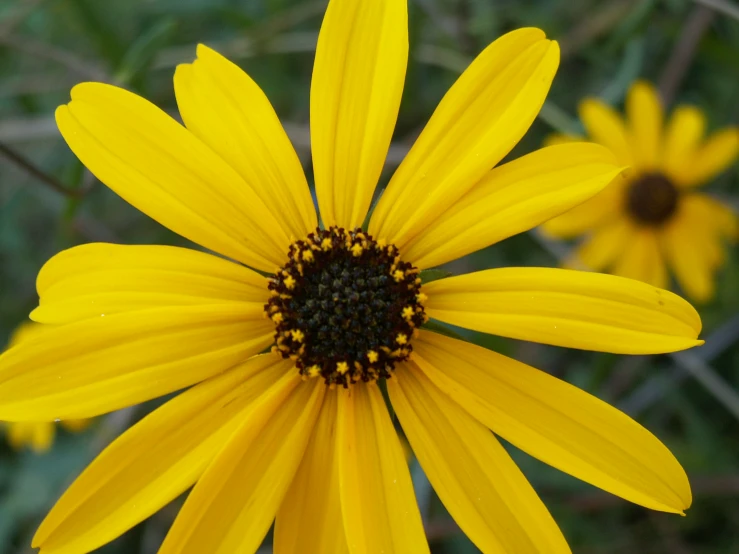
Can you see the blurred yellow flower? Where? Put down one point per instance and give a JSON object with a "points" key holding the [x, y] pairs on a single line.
{"points": [[38, 435], [302, 433], [651, 218]]}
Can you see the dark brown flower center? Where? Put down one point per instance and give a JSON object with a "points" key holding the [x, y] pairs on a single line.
{"points": [[652, 199], [345, 306]]}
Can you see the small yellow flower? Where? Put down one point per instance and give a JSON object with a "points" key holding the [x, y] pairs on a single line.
{"points": [[37, 435], [652, 218], [302, 434]]}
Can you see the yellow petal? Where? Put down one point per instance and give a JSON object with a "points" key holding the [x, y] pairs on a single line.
{"points": [[641, 259], [102, 364], [475, 478], [25, 331], [576, 309], [233, 504], [226, 109], [559, 138], [156, 460], [687, 243], [477, 123], [377, 500], [717, 154], [76, 425], [358, 77], [309, 519], [162, 169], [606, 127], [94, 279], [556, 422], [601, 209], [39, 436], [513, 198], [17, 433], [644, 112], [683, 135], [604, 245]]}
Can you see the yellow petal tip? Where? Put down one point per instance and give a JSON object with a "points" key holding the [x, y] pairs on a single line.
{"points": [[202, 50]]}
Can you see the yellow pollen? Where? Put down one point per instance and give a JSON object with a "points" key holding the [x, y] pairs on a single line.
{"points": [[342, 367], [408, 312], [357, 250], [372, 356], [421, 297], [308, 255], [289, 282], [297, 334], [402, 338], [398, 275], [326, 244], [314, 371], [277, 317]]}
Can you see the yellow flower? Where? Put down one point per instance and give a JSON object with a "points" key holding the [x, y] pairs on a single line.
{"points": [[652, 217], [37, 435], [302, 433]]}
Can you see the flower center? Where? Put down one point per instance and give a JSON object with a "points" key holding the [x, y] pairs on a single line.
{"points": [[652, 199], [345, 306]]}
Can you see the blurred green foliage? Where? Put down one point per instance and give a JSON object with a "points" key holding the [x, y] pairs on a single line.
{"points": [[46, 46]]}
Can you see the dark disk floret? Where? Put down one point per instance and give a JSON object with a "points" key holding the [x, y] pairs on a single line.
{"points": [[652, 199], [345, 306]]}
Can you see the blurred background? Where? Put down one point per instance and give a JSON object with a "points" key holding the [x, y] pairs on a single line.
{"points": [[48, 202]]}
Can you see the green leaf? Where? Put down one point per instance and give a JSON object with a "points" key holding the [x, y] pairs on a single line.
{"points": [[139, 56]]}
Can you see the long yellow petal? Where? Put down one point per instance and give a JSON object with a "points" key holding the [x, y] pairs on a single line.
{"points": [[162, 169], [358, 78], [234, 503], [556, 422], [687, 242], [683, 135], [102, 364], [226, 109], [601, 248], [95, 279], [513, 198], [717, 153], [645, 117], [602, 209], [475, 478], [642, 259], [605, 126], [309, 519], [576, 309], [155, 460], [378, 504], [477, 123]]}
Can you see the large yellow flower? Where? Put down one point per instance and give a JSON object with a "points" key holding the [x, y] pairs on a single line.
{"points": [[37, 435], [653, 218], [302, 433]]}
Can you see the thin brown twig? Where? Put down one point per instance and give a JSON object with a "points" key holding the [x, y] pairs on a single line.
{"points": [[702, 486], [39, 49], [684, 51], [22, 11], [724, 6], [43, 177], [594, 25]]}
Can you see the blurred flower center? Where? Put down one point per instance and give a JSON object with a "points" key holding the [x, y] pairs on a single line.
{"points": [[652, 199], [345, 306]]}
